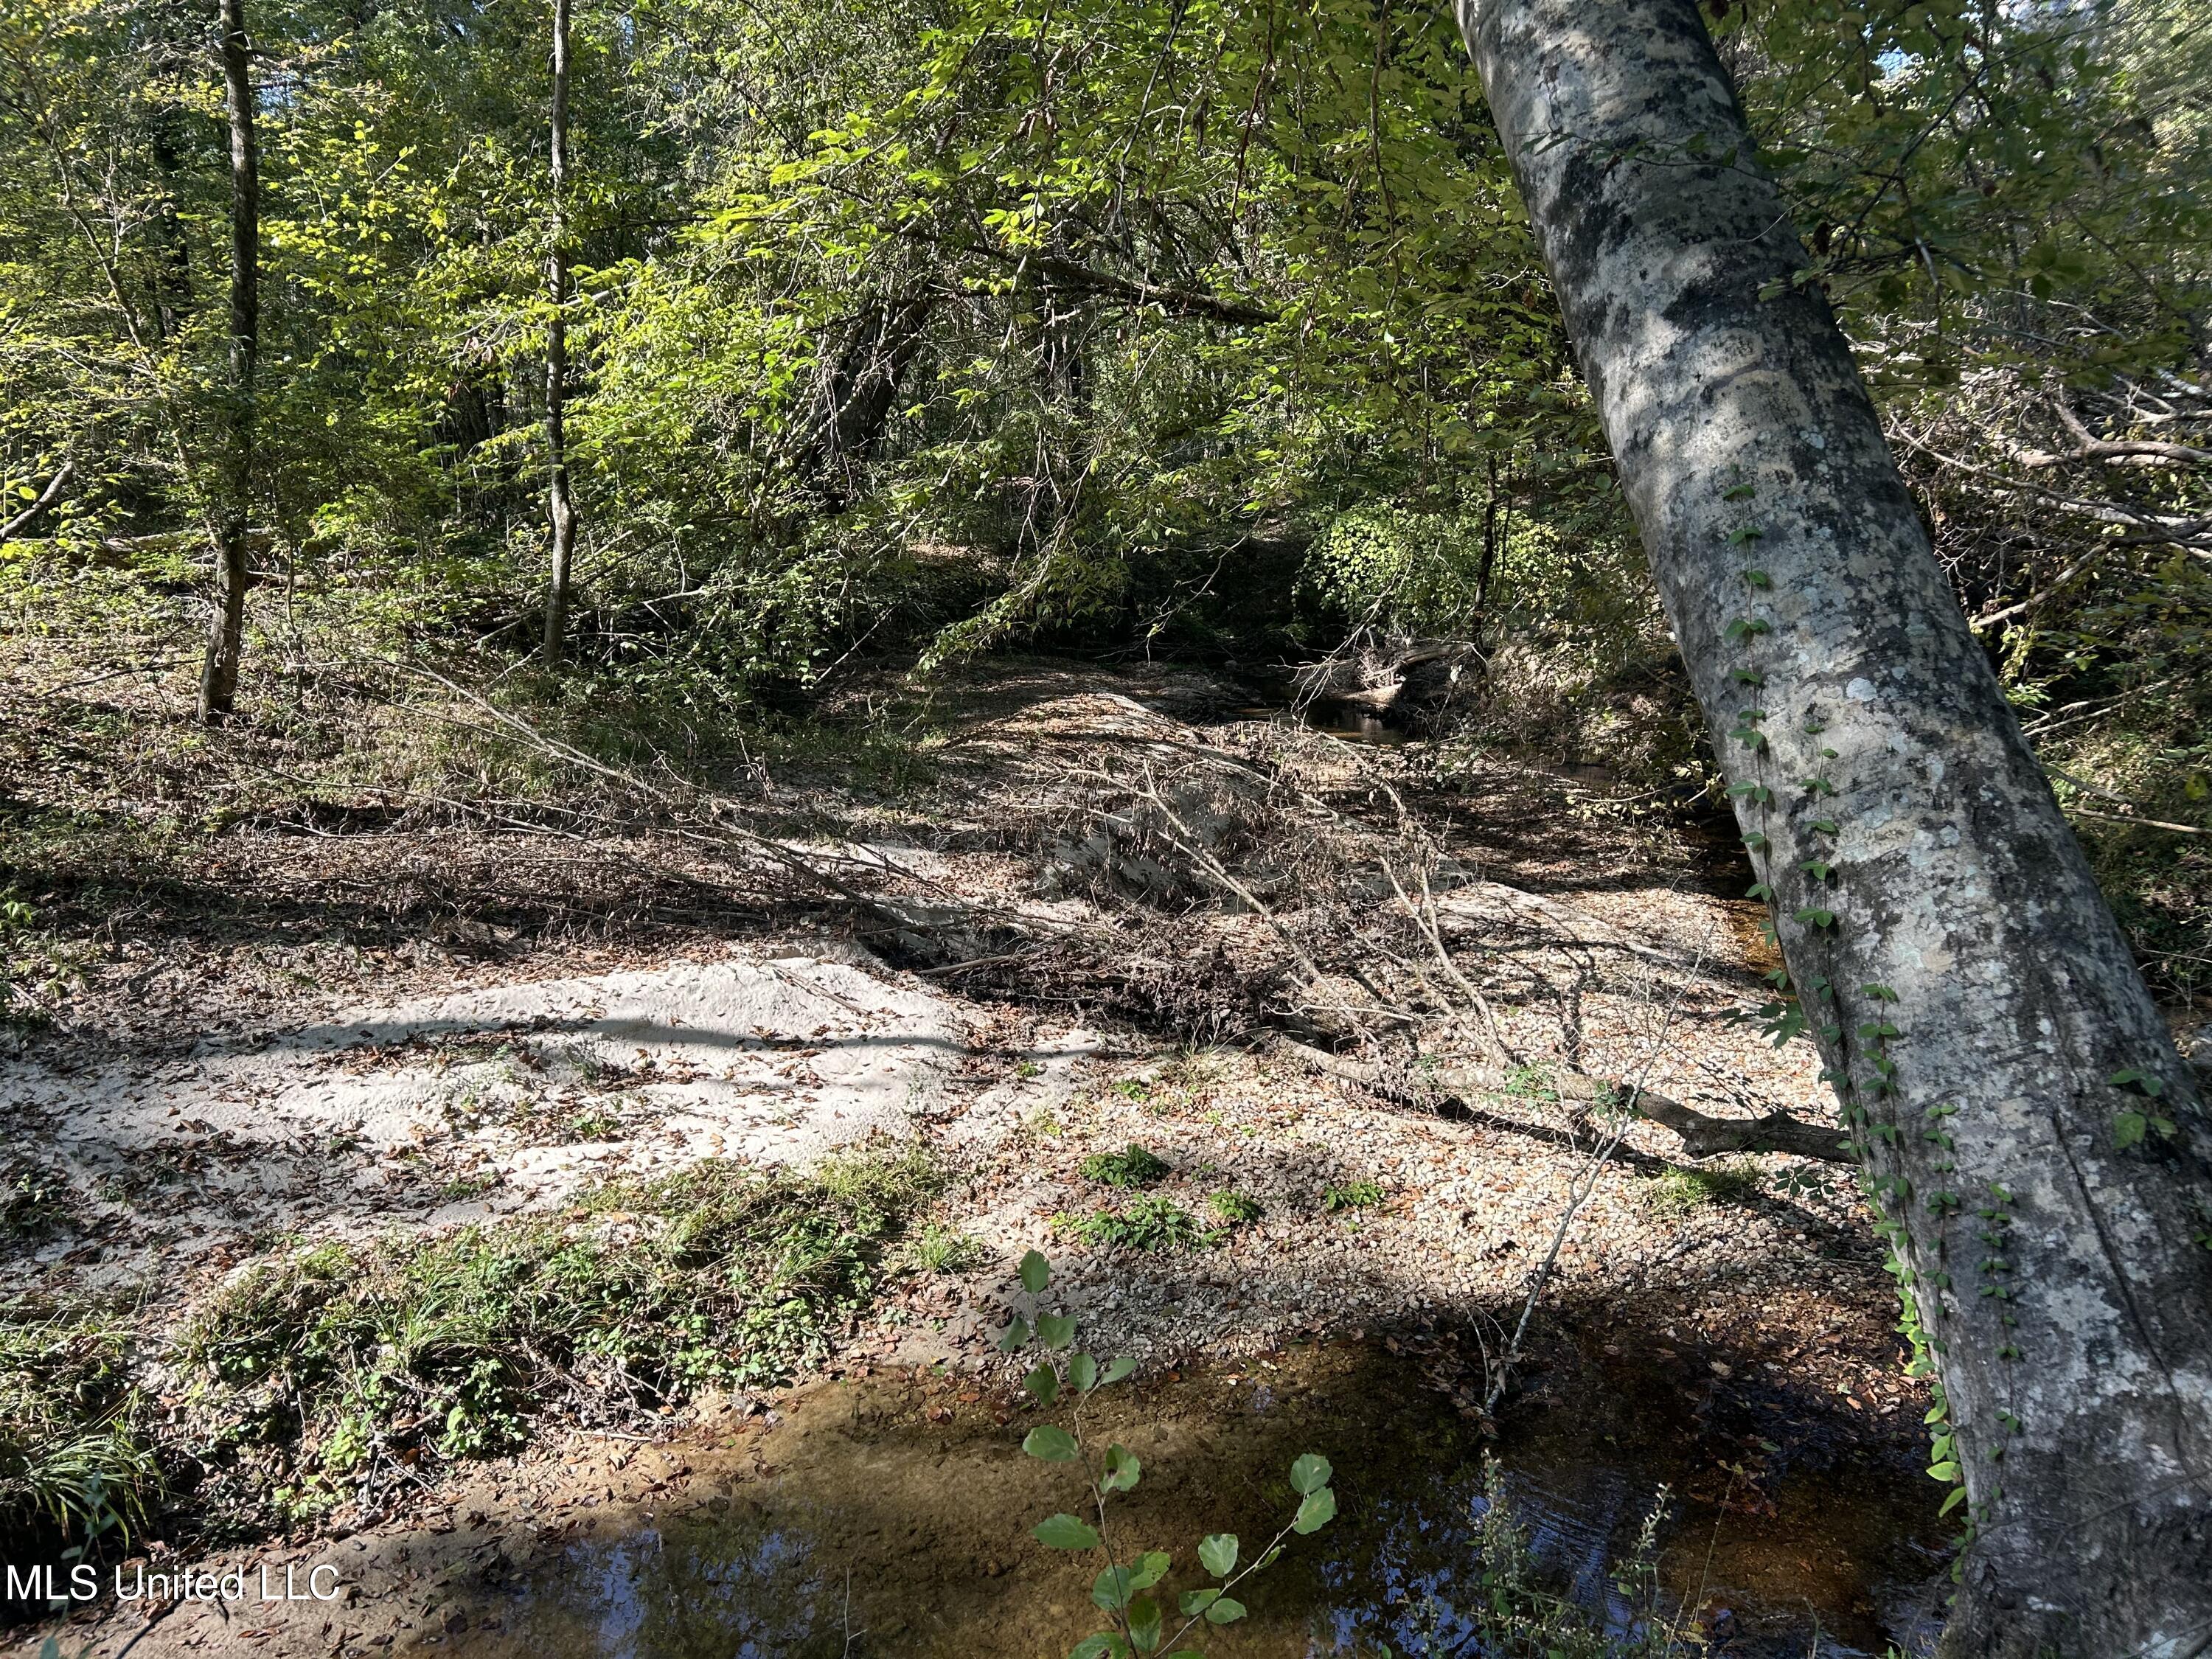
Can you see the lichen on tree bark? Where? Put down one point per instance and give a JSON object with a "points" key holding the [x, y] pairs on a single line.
{"points": [[1969, 989]]}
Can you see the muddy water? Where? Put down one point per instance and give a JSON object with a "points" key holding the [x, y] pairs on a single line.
{"points": [[896, 1513]]}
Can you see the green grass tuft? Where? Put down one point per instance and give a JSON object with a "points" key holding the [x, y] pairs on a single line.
{"points": [[939, 1249], [1682, 1191], [75, 1459]]}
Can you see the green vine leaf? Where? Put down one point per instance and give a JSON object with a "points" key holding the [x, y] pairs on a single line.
{"points": [[2130, 1128], [1739, 493]]}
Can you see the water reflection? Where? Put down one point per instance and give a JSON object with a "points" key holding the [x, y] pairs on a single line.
{"points": [[881, 1531]]}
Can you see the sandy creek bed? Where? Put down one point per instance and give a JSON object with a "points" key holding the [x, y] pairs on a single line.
{"points": [[1742, 1351]]}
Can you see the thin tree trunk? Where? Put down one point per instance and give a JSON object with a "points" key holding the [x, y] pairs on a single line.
{"points": [[560, 507], [1969, 989], [861, 393], [227, 631]]}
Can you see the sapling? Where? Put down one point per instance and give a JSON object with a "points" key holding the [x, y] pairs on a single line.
{"points": [[1125, 1590]]}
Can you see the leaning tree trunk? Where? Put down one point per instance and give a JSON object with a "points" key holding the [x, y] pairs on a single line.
{"points": [[559, 507], [227, 632], [2037, 1152]]}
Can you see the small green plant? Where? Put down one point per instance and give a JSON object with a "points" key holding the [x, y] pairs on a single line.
{"points": [[1232, 1208], [15, 919], [1518, 1613], [1351, 1195], [1530, 1083], [1130, 1593], [1133, 1166], [1028, 1068], [595, 1126], [939, 1249], [1133, 1088], [1682, 1191], [1155, 1224], [462, 1187], [34, 1201]]}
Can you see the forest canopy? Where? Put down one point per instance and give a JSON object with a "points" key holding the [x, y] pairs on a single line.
{"points": [[1212, 328]]}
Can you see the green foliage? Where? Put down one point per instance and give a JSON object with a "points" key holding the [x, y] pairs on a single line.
{"points": [[1351, 1195], [34, 1199], [1682, 1191], [1133, 1166], [1138, 1622], [349, 1361], [939, 1249], [1232, 1208], [77, 1458], [1156, 1223]]}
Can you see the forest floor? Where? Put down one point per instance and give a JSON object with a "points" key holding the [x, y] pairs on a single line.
{"points": [[298, 996]]}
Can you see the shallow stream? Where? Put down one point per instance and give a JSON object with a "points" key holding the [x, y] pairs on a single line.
{"points": [[891, 1516]]}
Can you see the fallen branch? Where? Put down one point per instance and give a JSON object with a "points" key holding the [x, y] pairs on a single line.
{"points": [[1702, 1135]]}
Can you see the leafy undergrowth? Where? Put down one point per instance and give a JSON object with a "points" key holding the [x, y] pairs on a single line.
{"points": [[1133, 1166], [338, 1372], [75, 1458]]}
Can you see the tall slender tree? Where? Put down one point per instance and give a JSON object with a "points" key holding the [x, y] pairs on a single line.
{"points": [[233, 508], [2039, 1154], [561, 509]]}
